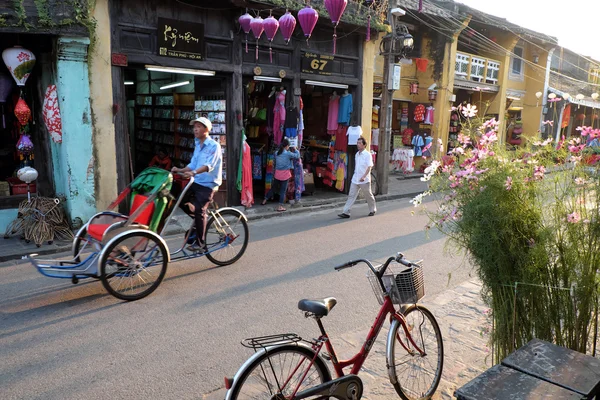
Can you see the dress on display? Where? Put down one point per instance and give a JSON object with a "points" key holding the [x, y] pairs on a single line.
{"points": [[291, 122], [300, 123], [247, 193], [418, 142], [270, 115], [429, 115], [354, 132], [427, 147], [345, 111], [278, 117], [332, 116]]}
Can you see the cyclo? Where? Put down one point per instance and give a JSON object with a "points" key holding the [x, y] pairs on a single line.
{"points": [[128, 253]]}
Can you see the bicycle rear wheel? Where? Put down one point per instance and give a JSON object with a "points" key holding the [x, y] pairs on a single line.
{"points": [[413, 375], [277, 373], [226, 237]]}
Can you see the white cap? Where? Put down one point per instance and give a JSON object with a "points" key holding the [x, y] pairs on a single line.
{"points": [[204, 121]]}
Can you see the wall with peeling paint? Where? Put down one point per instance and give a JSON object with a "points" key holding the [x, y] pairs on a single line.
{"points": [[74, 164]]}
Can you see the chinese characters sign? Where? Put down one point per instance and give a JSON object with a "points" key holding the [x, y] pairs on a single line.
{"points": [[180, 39], [319, 64]]}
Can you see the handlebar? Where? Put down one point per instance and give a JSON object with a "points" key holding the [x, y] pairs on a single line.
{"points": [[399, 258]]}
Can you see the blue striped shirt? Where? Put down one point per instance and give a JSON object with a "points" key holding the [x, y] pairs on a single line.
{"points": [[208, 154]]}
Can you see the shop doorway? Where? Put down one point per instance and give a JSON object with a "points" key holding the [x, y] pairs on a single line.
{"points": [[160, 106]]}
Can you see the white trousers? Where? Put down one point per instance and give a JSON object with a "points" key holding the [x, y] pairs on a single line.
{"points": [[355, 189]]}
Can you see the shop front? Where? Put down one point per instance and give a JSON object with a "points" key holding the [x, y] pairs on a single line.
{"points": [[45, 121], [259, 92]]}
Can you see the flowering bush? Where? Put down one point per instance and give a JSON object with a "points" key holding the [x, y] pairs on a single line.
{"points": [[529, 222]]}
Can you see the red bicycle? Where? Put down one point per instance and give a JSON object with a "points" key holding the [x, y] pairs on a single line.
{"points": [[287, 367]]}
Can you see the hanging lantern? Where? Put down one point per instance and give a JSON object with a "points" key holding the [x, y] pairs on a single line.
{"points": [[308, 18], [257, 29], [581, 117], [414, 88], [245, 21], [287, 24], [22, 112], [20, 63], [271, 25], [25, 145], [51, 114], [432, 95], [335, 9]]}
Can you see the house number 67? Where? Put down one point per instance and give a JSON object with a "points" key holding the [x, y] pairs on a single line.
{"points": [[318, 64]]}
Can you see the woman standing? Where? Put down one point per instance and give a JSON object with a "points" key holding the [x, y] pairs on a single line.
{"points": [[283, 165]]}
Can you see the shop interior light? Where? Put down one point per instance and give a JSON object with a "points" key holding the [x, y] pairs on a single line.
{"points": [[173, 70], [267, 79], [327, 84], [129, 83], [513, 97], [174, 84]]}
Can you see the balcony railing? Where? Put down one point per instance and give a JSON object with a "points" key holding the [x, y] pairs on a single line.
{"points": [[477, 69]]}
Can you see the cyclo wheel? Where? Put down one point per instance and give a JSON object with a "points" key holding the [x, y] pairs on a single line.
{"points": [[263, 378], [226, 237], [374, 184], [133, 264], [416, 376]]}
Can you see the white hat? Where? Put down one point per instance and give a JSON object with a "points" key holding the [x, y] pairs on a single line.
{"points": [[204, 121]]}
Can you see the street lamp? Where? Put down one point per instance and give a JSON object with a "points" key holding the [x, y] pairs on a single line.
{"points": [[405, 39]]}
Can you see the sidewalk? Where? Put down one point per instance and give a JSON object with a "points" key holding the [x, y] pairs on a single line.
{"points": [[460, 312], [399, 186]]}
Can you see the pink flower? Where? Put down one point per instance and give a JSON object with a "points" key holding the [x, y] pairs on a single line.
{"points": [[548, 122], [488, 138], [574, 218], [464, 139], [538, 172], [580, 181], [508, 183]]}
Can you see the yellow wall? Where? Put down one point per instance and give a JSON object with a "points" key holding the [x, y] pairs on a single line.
{"points": [[101, 102], [370, 54]]}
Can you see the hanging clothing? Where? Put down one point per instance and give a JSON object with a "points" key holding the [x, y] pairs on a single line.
{"points": [[279, 118], [300, 127], [427, 147], [247, 193], [257, 167], [332, 116], [429, 115], [341, 138], [375, 137], [269, 172], [298, 179], [345, 111], [419, 113], [566, 116], [375, 117], [340, 174], [354, 132], [270, 115], [418, 142], [291, 122]]}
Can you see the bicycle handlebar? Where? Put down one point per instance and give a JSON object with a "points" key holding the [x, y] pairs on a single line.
{"points": [[399, 258]]}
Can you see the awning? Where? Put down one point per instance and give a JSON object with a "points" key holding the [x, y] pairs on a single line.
{"points": [[584, 102], [477, 86]]}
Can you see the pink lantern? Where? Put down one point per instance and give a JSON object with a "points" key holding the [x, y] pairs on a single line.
{"points": [[287, 23], [257, 29], [271, 26], [335, 8], [308, 18], [244, 21]]}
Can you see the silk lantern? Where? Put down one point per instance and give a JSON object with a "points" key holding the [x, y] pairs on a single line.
{"points": [[271, 26], [245, 21], [20, 63], [287, 24], [25, 145], [308, 18], [22, 112], [51, 114], [257, 29], [335, 9], [414, 88]]}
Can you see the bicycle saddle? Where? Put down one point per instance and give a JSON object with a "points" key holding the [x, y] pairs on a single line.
{"points": [[318, 307]]}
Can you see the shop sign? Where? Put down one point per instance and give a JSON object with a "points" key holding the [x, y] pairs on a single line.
{"points": [[320, 64], [180, 39], [119, 59]]}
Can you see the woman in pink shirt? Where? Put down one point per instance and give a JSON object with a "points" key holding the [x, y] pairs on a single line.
{"points": [[283, 165]]}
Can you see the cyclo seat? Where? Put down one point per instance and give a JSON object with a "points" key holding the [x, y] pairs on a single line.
{"points": [[319, 308]]}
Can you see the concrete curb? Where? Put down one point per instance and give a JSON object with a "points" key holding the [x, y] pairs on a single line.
{"points": [[178, 229]]}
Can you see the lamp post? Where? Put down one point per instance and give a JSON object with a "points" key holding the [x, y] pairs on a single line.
{"points": [[397, 43]]}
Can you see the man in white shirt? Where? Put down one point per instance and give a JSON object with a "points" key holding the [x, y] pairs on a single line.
{"points": [[361, 180]]}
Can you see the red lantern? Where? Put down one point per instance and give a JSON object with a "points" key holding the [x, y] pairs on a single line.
{"points": [[271, 25], [581, 117], [308, 18], [335, 8], [22, 112], [245, 21], [257, 29], [287, 23], [432, 95], [414, 88]]}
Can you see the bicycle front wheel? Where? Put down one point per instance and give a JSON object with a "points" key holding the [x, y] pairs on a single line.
{"points": [[415, 375], [226, 237], [278, 373]]}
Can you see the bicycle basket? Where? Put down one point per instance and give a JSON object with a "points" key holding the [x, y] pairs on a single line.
{"points": [[405, 287]]}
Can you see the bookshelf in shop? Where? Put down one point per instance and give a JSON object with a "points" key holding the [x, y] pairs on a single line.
{"points": [[163, 120]]}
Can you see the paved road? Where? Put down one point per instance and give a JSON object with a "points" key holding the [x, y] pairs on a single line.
{"points": [[59, 341]]}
